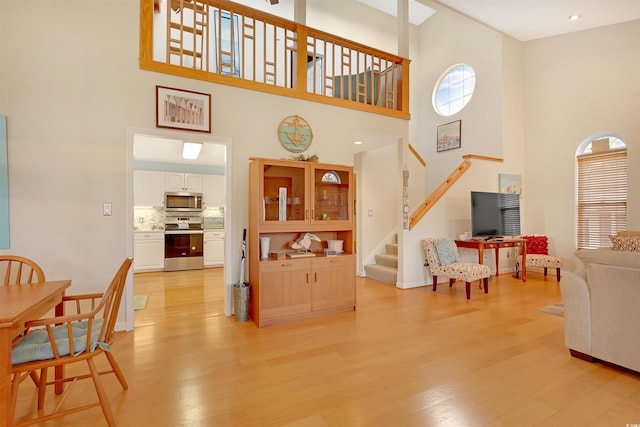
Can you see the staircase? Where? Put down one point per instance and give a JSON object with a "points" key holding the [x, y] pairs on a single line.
{"points": [[385, 269]]}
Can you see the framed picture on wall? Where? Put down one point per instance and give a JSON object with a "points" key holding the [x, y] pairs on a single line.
{"points": [[183, 109], [509, 183], [449, 136]]}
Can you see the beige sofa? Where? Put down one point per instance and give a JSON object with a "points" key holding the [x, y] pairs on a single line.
{"points": [[602, 306]]}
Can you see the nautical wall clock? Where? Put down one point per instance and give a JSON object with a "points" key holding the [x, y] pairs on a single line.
{"points": [[295, 134]]}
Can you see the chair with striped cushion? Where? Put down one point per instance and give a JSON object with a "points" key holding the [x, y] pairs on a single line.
{"points": [[538, 255], [442, 259]]}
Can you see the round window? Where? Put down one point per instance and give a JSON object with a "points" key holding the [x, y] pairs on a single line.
{"points": [[454, 89]]}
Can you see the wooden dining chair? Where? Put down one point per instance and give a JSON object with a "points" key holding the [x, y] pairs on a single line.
{"points": [[68, 339], [18, 270]]}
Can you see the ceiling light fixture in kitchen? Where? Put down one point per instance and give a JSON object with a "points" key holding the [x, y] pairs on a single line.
{"points": [[191, 150]]}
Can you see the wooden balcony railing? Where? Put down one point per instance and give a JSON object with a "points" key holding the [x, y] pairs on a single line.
{"points": [[227, 43]]}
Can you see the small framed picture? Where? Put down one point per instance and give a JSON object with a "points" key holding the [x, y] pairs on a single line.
{"points": [[449, 136], [509, 183], [183, 109]]}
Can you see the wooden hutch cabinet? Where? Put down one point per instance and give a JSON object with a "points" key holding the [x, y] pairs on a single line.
{"points": [[287, 199]]}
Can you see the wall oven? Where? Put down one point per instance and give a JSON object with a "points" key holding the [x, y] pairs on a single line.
{"points": [[183, 242]]}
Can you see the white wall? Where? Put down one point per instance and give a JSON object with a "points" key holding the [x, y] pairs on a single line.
{"points": [[446, 39], [72, 90], [379, 197], [551, 95], [73, 87], [577, 85]]}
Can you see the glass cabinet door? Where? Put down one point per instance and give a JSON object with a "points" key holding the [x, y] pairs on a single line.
{"points": [[331, 194], [284, 193]]}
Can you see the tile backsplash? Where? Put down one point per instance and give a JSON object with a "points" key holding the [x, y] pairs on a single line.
{"points": [[148, 219], [152, 219]]}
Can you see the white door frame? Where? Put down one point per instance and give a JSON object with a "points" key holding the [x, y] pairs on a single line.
{"points": [[228, 226]]}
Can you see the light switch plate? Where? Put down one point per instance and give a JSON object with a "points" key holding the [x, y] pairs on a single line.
{"points": [[106, 209]]}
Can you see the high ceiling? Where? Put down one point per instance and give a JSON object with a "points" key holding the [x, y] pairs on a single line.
{"points": [[533, 19], [521, 19]]}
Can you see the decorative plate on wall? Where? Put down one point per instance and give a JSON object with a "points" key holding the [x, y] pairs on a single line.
{"points": [[295, 134]]}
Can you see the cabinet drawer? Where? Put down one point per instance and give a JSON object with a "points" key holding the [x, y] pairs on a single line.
{"points": [[148, 236], [213, 234], [284, 265], [338, 261]]}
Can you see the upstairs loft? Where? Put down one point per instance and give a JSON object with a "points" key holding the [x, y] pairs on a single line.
{"points": [[227, 43]]}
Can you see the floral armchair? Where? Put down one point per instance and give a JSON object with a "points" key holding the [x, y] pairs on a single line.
{"points": [[538, 255], [443, 260]]}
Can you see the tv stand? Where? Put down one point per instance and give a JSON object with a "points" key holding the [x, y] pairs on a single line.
{"points": [[496, 244]]}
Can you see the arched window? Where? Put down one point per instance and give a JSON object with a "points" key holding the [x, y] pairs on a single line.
{"points": [[601, 189]]}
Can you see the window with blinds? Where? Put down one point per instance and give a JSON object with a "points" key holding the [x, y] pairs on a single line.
{"points": [[602, 197]]}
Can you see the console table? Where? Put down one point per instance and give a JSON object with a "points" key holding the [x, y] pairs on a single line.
{"points": [[481, 244]]}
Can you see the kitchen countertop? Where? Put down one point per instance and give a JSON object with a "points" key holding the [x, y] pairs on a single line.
{"points": [[149, 229]]}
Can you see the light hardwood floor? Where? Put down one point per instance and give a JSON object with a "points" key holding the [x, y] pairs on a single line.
{"points": [[404, 358]]}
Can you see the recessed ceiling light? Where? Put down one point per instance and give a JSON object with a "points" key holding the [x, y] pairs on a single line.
{"points": [[575, 17], [358, 142]]}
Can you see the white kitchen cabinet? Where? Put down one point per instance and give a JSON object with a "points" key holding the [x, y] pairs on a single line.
{"points": [[213, 194], [213, 248], [148, 251], [178, 181], [148, 188]]}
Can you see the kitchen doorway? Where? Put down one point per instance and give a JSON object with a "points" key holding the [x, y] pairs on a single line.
{"points": [[161, 151]]}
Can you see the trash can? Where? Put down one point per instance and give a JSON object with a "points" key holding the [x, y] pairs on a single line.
{"points": [[241, 301]]}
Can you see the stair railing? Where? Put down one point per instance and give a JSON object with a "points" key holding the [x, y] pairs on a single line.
{"points": [[227, 43], [437, 194]]}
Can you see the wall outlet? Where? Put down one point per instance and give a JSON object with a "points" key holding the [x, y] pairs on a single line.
{"points": [[106, 209]]}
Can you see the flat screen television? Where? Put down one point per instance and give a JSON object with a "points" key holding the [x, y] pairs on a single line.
{"points": [[495, 214]]}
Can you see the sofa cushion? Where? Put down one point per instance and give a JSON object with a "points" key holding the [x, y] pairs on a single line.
{"points": [[447, 251], [609, 257], [624, 243], [542, 261], [465, 271]]}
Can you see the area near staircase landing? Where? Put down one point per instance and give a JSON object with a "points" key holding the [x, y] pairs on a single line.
{"points": [[385, 269]]}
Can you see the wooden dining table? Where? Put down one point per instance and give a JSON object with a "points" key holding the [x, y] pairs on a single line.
{"points": [[19, 304]]}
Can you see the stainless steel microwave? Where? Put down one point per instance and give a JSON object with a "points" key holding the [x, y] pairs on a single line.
{"points": [[183, 202]]}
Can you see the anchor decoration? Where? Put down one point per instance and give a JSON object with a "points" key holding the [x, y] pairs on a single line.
{"points": [[295, 134]]}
